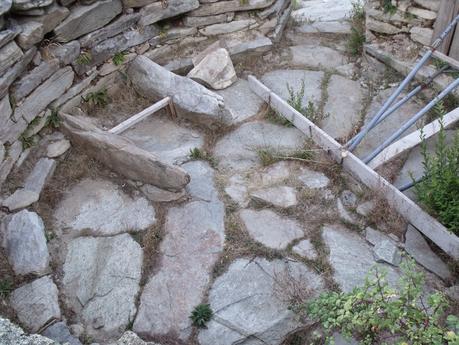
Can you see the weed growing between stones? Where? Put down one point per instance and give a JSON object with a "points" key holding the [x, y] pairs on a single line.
{"points": [[85, 58], [27, 142], [119, 58], [388, 7], [201, 315], [97, 98], [439, 189], [377, 313], [6, 286], [270, 156], [198, 154], [53, 120], [357, 36]]}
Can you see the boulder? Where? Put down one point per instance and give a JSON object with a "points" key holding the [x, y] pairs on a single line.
{"points": [[36, 303], [101, 277], [271, 230], [156, 11], [215, 70], [101, 208], [121, 155], [21, 198], [31, 33], [153, 81], [194, 236], [84, 19], [23, 237], [65, 53], [251, 302]]}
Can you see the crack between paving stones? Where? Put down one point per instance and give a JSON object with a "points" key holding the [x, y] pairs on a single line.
{"points": [[237, 329]]}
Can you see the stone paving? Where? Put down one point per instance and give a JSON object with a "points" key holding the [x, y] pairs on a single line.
{"points": [[312, 218]]}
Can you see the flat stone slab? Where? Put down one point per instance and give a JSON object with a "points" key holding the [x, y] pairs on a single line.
{"points": [[60, 332], [313, 179], [40, 174], [256, 287], [19, 199], [322, 10], [305, 249], [352, 258], [343, 107], [194, 236], [278, 80], [36, 303], [100, 208], [387, 127], [241, 101], [418, 248], [101, 281], [57, 148], [387, 251], [167, 140], [281, 196], [317, 57], [238, 149], [335, 27], [271, 230], [10, 334]]}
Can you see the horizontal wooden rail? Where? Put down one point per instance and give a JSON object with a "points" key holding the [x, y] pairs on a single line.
{"points": [[429, 226], [414, 139], [123, 126]]}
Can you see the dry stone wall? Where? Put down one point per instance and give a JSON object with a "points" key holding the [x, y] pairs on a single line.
{"points": [[53, 52]]}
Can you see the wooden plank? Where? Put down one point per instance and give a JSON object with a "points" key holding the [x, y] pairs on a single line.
{"points": [[140, 116], [429, 226], [454, 49], [448, 10], [413, 139], [449, 60]]}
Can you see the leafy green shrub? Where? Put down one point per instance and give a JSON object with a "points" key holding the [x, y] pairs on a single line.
{"points": [[97, 98], [388, 7], [438, 191], [200, 315], [357, 36], [379, 314]]}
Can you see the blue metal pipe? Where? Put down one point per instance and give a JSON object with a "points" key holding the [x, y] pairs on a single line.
{"points": [[411, 121]]}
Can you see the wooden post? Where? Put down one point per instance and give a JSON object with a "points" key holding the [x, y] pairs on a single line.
{"points": [[448, 10]]}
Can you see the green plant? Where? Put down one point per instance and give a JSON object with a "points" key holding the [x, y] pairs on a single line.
{"points": [[438, 191], [119, 58], [85, 58], [6, 286], [295, 100], [97, 98], [200, 315], [357, 36], [53, 120], [379, 314], [27, 142], [388, 7], [268, 156], [198, 154]]}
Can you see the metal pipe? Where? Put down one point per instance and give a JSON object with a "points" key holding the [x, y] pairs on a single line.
{"points": [[411, 121], [410, 184], [352, 144]]}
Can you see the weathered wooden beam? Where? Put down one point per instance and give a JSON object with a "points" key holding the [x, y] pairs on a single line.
{"points": [[429, 226], [449, 60], [413, 139], [448, 10], [123, 126]]}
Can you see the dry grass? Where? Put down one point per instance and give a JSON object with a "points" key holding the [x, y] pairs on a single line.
{"points": [[384, 218]]}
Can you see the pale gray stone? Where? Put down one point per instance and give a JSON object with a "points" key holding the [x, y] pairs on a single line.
{"points": [[271, 230], [57, 148], [100, 208], [343, 107], [279, 81], [210, 9], [237, 190], [152, 80], [2, 152], [84, 19], [16, 70], [215, 70], [13, 153], [73, 92], [322, 11], [281, 196], [123, 23], [65, 53], [241, 100], [165, 138], [339, 339], [9, 54], [239, 149], [29, 82], [31, 33], [136, 3], [130, 338], [334, 27], [8, 35], [156, 11], [348, 198], [61, 333], [53, 16], [156, 194], [305, 249], [25, 243], [36, 303], [41, 173], [344, 213], [422, 13], [351, 258], [38, 124], [313, 179], [101, 277], [21, 198], [25, 5], [421, 35], [225, 28], [316, 57], [47, 92], [433, 5], [122, 155], [365, 208], [387, 251], [208, 20], [5, 6], [242, 43], [375, 237], [194, 236], [383, 28], [419, 249], [11, 334], [251, 302]]}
